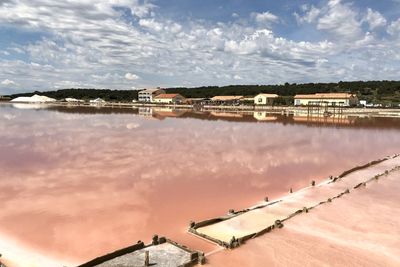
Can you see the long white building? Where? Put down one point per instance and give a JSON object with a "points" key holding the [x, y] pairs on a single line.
{"points": [[330, 99]]}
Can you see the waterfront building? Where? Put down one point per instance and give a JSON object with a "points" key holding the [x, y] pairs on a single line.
{"points": [[148, 95], [4, 98], [199, 100], [363, 103], [98, 101], [227, 99], [73, 100], [169, 99], [265, 99], [328, 99]]}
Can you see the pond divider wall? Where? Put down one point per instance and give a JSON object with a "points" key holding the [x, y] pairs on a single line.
{"points": [[235, 242], [194, 226]]}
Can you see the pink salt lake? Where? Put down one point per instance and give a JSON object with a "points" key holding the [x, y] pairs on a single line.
{"points": [[76, 183]]}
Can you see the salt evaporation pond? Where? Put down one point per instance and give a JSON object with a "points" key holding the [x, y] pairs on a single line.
{"points": [[76, 183]]}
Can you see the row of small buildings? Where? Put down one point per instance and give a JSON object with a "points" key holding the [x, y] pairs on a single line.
{"points": [[330, 99], [159, 96]]}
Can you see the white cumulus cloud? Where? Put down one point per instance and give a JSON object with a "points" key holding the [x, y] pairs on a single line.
{"points": [[8, 82], [151, 24], [131, 76], [265, 17], [311, 14], [374, 19], [95, 45], [340, 19], [394, 27]]}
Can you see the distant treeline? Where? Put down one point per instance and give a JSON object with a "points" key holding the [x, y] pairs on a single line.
{"points": [[385, 92]]}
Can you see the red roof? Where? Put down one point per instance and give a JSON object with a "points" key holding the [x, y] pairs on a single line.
{"points": [[168, 96]]}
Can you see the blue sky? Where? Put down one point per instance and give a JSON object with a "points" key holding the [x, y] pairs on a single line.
{"points": [[125, 44]]}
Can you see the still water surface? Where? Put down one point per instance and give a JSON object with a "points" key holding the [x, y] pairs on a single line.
{"points": [[76, 183]]}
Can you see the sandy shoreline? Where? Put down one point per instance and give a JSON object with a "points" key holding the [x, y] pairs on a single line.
{"points": [[15, 254]]}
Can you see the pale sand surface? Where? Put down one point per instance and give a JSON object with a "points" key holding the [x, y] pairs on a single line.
{"points": [[15, 254], [257, 220], [358, 229]]}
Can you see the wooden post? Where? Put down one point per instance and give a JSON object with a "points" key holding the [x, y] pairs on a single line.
{"points": [[146, 258]]}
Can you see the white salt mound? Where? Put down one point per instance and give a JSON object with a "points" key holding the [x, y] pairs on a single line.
{"points": [[33, 99]]}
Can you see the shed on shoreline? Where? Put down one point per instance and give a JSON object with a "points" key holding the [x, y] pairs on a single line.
{"points": [[265, 99], [328, 99], [227, 99]]}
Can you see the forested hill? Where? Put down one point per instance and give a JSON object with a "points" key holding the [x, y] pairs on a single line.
{"points": [[372, 91]]}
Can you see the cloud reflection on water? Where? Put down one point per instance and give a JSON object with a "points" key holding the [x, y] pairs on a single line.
{"points": [[109, 180]]}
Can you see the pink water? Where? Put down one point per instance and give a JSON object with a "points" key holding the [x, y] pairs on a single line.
{"points": [[77, 184]]}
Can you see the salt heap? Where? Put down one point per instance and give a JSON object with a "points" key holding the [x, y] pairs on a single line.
{"points": [[33, 99]]}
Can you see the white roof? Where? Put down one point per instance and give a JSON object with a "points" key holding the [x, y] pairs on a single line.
{"points": [[33, 99], [70, 99], [97, 100], [268, 95], [226, 97], [149, 90]]}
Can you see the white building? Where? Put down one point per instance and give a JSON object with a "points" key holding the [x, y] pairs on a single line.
{"points": [[227, 99], [148, 95], [265, 99], [3, 98], [73, 100], [169, 99], [98, 101], [329, 99], [363, 103]]}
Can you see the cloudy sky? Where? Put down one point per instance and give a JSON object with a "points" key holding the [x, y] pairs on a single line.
{"points": [[125, 44]]}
